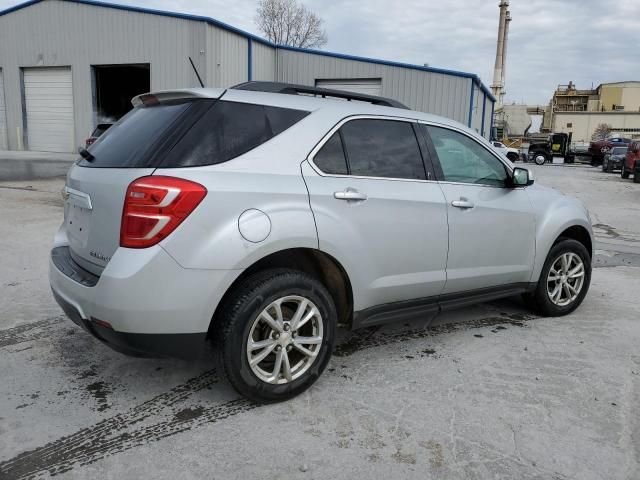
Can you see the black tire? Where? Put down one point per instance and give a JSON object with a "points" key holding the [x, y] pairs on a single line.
{"points": [[540, 300], [636, 177], [624, 173], [513, 157], [233, 325], [605, 165], [538, 156], [609, 167]]}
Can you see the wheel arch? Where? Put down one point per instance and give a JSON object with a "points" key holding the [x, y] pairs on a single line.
{"points": [[314, 262], [580, 234]]}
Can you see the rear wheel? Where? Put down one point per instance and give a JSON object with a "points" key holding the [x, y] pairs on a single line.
{"points": [[564, 280], [275, 335]]}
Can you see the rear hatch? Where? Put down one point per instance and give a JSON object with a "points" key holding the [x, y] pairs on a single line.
{"points": [[130, 149]]}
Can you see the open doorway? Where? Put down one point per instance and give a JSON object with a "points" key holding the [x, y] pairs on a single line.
{"points": [[113, 88]]}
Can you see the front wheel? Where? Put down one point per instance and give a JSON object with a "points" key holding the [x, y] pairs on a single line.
{"points": [[512, 156], [564, 280], [540, 158], [275, 335], [624, 173]]}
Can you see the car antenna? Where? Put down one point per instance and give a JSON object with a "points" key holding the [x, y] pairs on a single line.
{"points": [[196, 70]]}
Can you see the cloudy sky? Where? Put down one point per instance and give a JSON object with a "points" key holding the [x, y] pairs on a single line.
{"points": [[551, 41]]}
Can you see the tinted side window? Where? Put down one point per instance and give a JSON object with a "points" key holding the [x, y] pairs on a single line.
{"points": [[330, 158], [382, 148], [228, 130], [465, 160]]}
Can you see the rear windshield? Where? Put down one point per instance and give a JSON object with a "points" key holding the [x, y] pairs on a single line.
{"points": [[188, 133]]}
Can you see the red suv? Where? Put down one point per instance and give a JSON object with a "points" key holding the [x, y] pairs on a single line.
{"points": [[631, 164]]}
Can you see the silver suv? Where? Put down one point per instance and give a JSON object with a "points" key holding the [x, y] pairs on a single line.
{"points": [[259, 218]]}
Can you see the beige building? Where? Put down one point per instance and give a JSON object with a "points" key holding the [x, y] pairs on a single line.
{"points": [[583, 124], [581, 111]]}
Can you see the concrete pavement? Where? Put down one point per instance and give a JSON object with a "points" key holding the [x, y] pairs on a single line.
{"points": [[490, 391]]}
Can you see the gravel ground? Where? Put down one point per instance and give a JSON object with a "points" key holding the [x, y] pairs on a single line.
{"points": [[485, 392]]}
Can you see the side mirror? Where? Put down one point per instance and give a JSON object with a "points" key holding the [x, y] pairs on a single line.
{"points": [[522, 177]]}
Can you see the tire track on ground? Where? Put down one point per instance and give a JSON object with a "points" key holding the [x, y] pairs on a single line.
{"points": [[124, 431], [370, 339], [29, 331], [171, 413]]}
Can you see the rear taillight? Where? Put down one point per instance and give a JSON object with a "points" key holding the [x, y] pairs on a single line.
{"points": [[89, 141], [153, 208]]}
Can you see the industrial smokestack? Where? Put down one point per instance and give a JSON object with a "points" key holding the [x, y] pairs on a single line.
{"points": [[498, 73], [505, 43]]}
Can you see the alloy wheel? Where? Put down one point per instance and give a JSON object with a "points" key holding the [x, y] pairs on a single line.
{"points": [[285, 339], [565, 279]]}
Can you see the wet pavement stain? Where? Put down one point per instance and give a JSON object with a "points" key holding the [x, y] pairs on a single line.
{"points": [[124, 431], [359, 342], [189, 414], [99, 391]]}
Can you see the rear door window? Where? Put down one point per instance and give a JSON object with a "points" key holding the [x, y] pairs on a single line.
{"points": [[383, 148], [330, 158]]}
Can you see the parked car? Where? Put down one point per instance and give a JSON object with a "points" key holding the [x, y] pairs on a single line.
{"points": [[631, 164], [257, 222], [599, 148], [97, 132], [512, 154], [614, 159]]}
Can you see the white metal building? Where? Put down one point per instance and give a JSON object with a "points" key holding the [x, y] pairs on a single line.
{"points": [[67, 65]]}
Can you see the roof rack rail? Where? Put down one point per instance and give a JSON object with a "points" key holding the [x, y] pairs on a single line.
{"points": [[292, 89]]}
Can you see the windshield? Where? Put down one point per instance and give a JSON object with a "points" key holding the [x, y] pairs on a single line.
{"points": [[619, 151]]}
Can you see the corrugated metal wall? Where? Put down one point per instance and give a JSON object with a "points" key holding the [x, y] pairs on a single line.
{"points": [[437, 93], [58, 33], [264, 62]]}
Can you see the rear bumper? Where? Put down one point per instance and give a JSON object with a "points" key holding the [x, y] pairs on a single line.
{"points": [[154, 306], [187, 346]]}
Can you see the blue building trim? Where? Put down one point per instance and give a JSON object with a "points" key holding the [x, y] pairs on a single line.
{"points": [[249, 59], [484, 109], [493, 105], [473, 88], [249, 36]]}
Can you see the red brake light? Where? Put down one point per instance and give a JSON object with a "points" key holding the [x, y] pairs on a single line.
{"points": [[154, 206]]}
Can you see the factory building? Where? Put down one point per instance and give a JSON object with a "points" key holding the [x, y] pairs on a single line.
{"points": [[67, 65], [579, 112]]}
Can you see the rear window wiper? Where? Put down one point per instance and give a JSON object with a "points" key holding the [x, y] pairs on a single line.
{"points": [[84, 153]]}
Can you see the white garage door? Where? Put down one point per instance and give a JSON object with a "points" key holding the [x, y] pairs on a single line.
{"points": [[48, 96], [368, 86], [3, 117]]}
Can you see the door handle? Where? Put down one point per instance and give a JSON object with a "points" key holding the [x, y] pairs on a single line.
{"points": [[350, 194], [462, 203]]}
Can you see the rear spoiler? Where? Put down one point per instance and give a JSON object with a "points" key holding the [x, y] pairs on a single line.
{"points": [[153, 98]]}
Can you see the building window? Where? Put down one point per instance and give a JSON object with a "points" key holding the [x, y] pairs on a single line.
{"points": [[569, 125]]}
